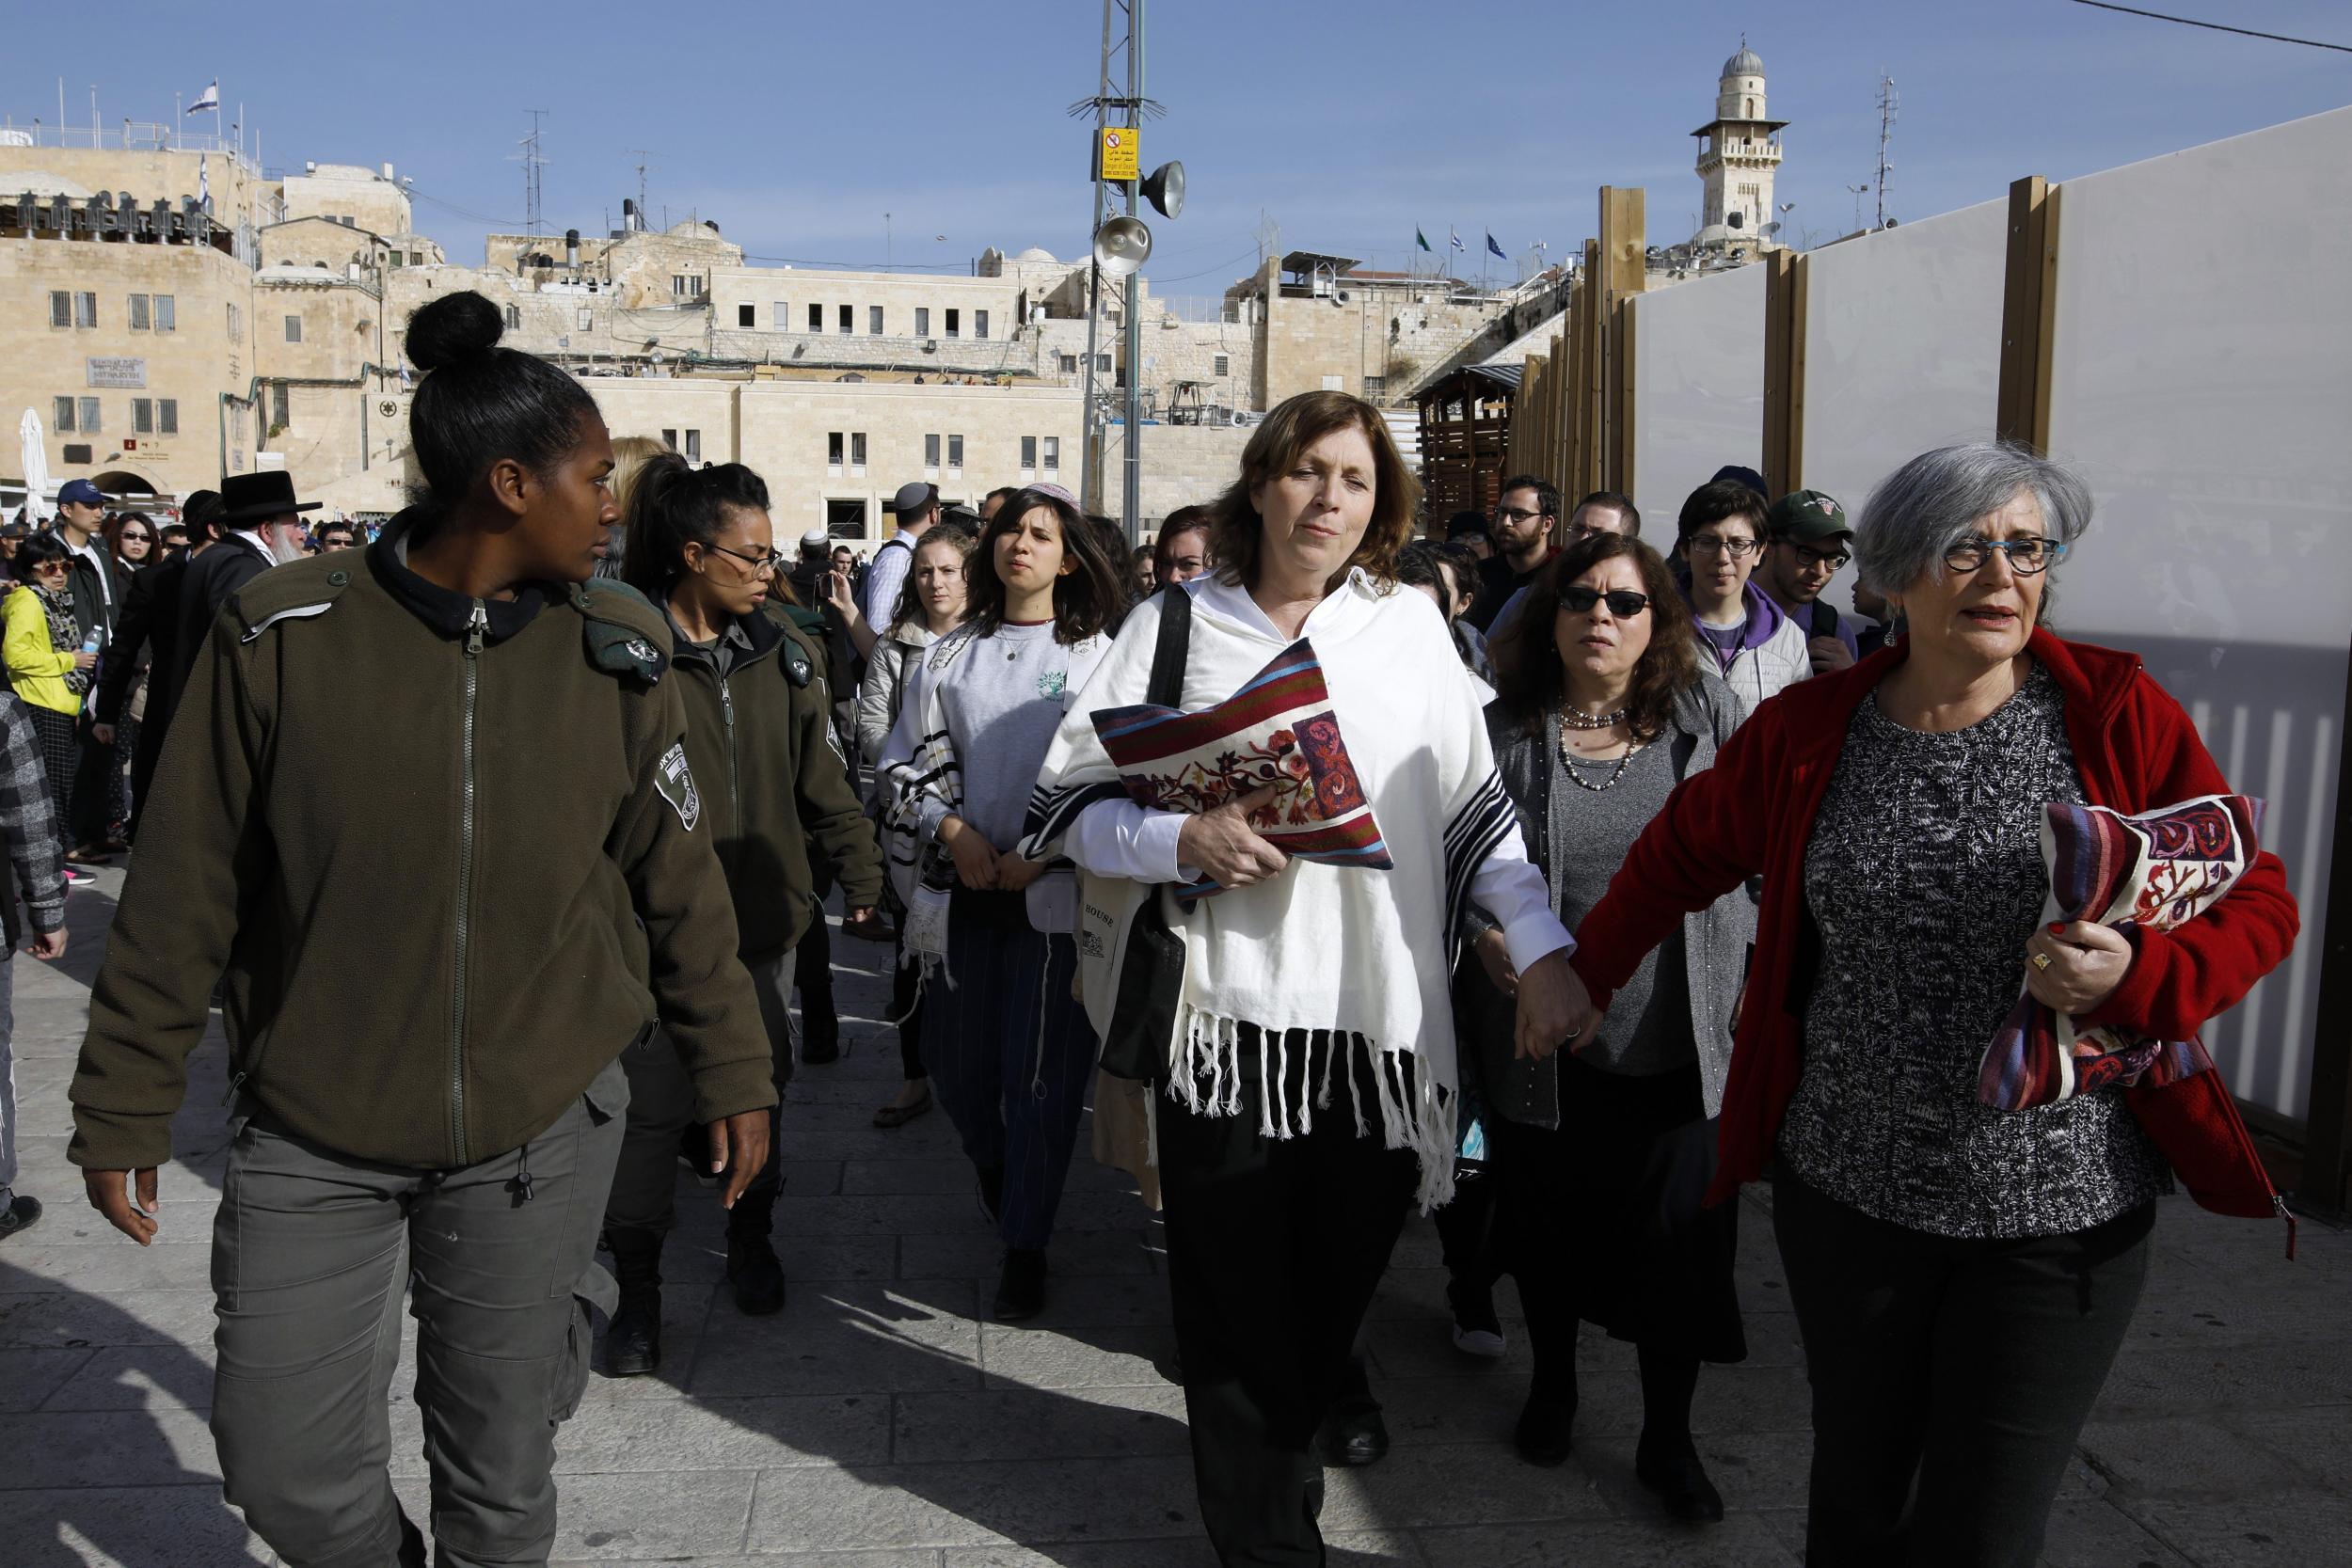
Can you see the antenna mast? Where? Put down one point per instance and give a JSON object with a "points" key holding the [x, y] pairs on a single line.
{"points": [[532, 184], [1888, 103]]}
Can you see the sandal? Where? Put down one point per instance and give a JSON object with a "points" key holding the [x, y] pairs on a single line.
{"points": [[898, 1116]]}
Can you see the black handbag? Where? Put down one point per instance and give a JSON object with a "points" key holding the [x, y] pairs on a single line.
{"points": [[1152, 973]]}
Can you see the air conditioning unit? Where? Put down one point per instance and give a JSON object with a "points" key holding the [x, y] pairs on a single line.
{"points": [[930, 345]]}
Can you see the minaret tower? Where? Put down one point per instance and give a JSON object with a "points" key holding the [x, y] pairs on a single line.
{"points": [[1739, 150]]}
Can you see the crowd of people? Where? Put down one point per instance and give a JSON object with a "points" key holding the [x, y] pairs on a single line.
{"points": [[1589, 881]]}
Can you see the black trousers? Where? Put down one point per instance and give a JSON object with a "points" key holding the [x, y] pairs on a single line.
{"points": [[1950, 1377], [812, 958], [1274, 1247], [906, 1005], [89, 814]]}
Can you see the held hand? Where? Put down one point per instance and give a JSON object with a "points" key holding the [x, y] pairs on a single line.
{"points": [[2086, 963], [739, 1150], [85, 661], [110, 1194], [1496, 959], [1223, 845], [48, 944], [102, 733], [1829, 656], [1554, 1007], [975, 857], [867, 925], [1014, 873]]}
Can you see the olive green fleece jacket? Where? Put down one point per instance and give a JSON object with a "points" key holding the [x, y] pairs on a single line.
{"points": [[762, 747], [449, 878]]}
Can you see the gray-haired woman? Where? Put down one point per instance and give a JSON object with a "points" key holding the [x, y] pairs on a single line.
{"points": [[1963, 1275]]}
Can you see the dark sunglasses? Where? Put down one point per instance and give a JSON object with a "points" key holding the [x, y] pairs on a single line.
{"points": [[1623, 603]]}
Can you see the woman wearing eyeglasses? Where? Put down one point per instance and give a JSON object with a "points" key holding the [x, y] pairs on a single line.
{"points": [[759, 742], [49, 662], [130, 539], [1963, 1274], [1719, 538], [1602, 1157]]}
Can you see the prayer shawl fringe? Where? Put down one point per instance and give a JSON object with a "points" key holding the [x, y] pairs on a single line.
{"points": [[924, 874]]}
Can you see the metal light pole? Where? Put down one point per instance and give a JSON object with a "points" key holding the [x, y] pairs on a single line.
{"points": [[1131, 515], [1114, 109]]}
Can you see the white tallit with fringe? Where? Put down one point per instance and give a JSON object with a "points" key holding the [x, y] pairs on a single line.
{"points": [[1363, 954]]}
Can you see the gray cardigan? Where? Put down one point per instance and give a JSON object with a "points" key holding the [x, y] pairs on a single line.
{"points": [[1715, 939]]}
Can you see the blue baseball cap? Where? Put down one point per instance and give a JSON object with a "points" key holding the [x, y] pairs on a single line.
{"points": [[81, 490]]}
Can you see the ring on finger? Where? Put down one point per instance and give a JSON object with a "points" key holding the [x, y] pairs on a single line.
{"points": [[2041, 961]]}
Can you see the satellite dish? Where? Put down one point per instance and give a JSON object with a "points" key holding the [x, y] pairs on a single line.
{"points": [[1772, 228], [1164, 188], [1120, 245]]}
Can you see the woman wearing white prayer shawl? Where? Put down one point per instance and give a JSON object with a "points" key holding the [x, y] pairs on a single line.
{"points": [[1310, 1072]]}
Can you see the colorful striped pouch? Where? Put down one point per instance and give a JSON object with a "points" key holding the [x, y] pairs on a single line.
{"points": [[2156, 870], [1279, 729]]}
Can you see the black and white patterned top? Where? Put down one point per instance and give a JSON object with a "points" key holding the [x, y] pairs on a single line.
{"points": [[1925, 878]]}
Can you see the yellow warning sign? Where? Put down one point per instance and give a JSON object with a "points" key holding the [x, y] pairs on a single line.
{"points": [[1121, 156]]}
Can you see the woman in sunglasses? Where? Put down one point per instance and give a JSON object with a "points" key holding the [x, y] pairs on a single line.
{"points": [[1963, 1273], [49, 661], [1601, 1156], [774, 782]]}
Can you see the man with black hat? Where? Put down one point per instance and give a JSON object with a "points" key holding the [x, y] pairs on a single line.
{"points": [[260, 526], [916, 506], [151, 618], [1808, 540]]}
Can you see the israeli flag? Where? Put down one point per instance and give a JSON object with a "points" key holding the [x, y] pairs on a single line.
{"points": [[208, 99], [1455, 235]]}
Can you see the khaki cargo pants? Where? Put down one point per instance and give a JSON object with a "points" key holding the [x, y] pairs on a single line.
{"points": [[311, 1254]]}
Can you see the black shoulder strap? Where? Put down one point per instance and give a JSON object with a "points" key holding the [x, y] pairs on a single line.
{"points": [[1824, 619], [1166, 688]]}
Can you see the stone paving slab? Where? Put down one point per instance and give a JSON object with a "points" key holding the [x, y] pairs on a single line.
{"points": [[879, 1422]]}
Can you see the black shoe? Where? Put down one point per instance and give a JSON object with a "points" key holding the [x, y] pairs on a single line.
{"points": [[1476, 1329], [821, 1038], [1354, 1438], [22, 1214], [1680, 1481], [991, 1194], [1021, 1290], [751, 1266], [1542, 1435], [632, 1342]]}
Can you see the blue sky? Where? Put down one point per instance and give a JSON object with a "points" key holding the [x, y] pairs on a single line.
{"points": [[797, 126]]}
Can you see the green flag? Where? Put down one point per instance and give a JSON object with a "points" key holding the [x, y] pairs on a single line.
{"points": [[1421, 239]]}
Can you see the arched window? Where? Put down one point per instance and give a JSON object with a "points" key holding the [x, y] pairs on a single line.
{"points": [[1750, 109]]}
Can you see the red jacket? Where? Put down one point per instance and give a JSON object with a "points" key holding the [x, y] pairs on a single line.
{"points": [[1752, 813]]}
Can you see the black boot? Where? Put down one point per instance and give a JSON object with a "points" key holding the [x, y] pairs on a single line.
{"points": [[1021, 1290], [751, 1266], [632, 1342], [820, 1032]]}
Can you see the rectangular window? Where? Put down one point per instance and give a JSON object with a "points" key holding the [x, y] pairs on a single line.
{"points": [[952, 316], [930, 452], [781, 314], [873, 321], [832, 450], [1029, 452], [63, 416], [848, 317], [89, 415], [1221, 366], [138, 312], [979, 323], [1375, 387], [954, 451], [84, 310], [236, 326], [686, 286], [1070, 364], [293, 329], [416, 258], [845, 519], [669, 439], [166, 416], [694, 453], [815, 318], [745, 315], [61, 307], [1101, 364], [167, 313], [922, 320], [1053, 454], [587, 319], [857, 449], [142, 416], [281, 406]]}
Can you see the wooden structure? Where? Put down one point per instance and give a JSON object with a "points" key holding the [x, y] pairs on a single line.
{"points": [[1578, 401], [1466, 438]]}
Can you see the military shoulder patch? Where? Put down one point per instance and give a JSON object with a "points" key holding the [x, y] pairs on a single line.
{"points": [[675, 781]]}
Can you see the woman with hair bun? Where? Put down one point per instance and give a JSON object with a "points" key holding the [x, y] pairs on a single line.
{"points": [[702, 547], [426, 1003]]}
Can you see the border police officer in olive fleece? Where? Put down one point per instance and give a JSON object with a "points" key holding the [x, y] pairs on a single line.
{"points": [[427, 1000]]}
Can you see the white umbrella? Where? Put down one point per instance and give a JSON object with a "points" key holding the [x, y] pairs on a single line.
{"points": [[35, 453]]}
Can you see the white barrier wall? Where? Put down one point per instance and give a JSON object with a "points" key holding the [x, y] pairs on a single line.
{"points": [[2203, 383], [1902, 350], [1698, 363]]}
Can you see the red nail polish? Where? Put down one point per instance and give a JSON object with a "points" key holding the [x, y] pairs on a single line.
{"points": [[2058, 928]]}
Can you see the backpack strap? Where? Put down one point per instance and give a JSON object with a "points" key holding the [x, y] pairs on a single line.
{"points": [[1824, 619], [1173, 650]]}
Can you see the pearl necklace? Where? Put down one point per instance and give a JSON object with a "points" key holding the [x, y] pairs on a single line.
{"points": [[1569, 756], [1571, 718]]}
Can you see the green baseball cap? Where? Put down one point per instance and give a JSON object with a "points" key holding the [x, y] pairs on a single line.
{"points": [[1806, 518]]}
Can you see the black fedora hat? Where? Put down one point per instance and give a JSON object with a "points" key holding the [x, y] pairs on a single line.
{"points": [[249, 498]]}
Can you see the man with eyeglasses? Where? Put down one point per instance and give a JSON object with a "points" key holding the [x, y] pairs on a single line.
{"points": [[1719, 538], [1807, 542], [1525, 523]]}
